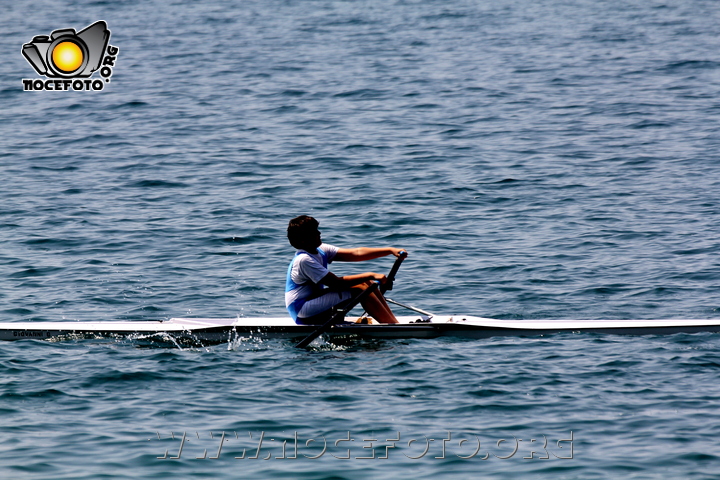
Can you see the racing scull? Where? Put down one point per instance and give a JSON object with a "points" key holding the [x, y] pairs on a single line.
{"points": [[218, 330]]}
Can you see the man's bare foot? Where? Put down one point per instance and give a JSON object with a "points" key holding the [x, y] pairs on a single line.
{"points": [[367, 321]]}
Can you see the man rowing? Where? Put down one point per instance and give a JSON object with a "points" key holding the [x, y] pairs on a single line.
{"points": [[311, 290]]}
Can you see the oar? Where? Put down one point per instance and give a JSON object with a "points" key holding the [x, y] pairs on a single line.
{"points": [[410, 307], [391, 276], [338, 315], [342, 312], [393, 271]]}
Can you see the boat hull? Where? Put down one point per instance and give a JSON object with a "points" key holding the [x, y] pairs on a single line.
{"points": [[206, 331]]}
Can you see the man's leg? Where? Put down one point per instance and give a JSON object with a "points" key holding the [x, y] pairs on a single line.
{"points": [[376, 306]]}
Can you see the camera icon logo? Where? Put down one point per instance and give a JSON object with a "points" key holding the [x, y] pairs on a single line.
{"points": [[68, 54]]}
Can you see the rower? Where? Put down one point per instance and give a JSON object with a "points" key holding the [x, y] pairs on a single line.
{"points": [[311, 290]]}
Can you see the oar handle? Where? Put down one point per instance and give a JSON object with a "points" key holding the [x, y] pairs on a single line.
{"points": [[391, 276]]}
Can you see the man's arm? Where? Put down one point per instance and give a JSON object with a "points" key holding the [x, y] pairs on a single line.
{"points": [[333, 282], [363, 253]]}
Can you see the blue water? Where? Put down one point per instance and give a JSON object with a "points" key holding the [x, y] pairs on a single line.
{"points": [[542, 159]]}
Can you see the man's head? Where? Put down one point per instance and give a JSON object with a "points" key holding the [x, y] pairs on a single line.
{"points": [[303, 233]]}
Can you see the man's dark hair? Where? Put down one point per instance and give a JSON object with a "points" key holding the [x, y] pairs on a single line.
{"points": [[300, 229]]}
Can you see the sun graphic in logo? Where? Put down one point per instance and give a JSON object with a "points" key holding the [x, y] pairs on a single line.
{"points": [[67, 56]]}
